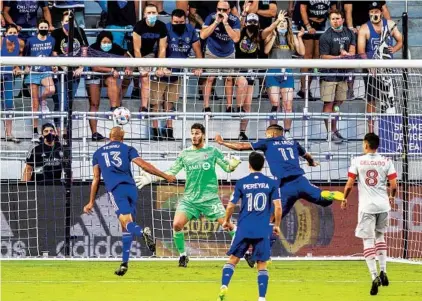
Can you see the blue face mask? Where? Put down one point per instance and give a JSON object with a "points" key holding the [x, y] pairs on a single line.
{"points": [[13, 39], [152, 19], [66, 26], [106, 47], [282, 31]]}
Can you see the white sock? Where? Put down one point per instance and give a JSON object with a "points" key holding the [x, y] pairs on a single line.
{"points": [[261, 299], [182, 254], [369, 254], [381, 249]]}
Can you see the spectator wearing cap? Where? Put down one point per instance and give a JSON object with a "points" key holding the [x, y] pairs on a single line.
{"points": [[61, 6], [375, 41], [222, 31], [355, 13], [281, 43]]}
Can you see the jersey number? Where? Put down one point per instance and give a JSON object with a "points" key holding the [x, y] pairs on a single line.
{"points": [[285, 153], [116, 161], [371, 177], [254, 201]]}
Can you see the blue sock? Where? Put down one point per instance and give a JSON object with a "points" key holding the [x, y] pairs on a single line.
{"points": [[127, 243], [263, 282], [133, 228], [228, 270]]}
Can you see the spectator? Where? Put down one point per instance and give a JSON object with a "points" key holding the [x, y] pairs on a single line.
{"points": [[24, 15], [281, 43], [149, 41], [375, 41], [221, 29], [10, 45], [2, 21], [61, 47], [41, 45], [44, 162], [61, 6], [355, 13], [314, 16], [337, 42], [265, 9], [107, 48], [248, 47], [182, 38], [159, 5], [200, 10]]}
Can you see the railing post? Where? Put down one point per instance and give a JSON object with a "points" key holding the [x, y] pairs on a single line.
{"points": [[62, 100], [184, 104]]}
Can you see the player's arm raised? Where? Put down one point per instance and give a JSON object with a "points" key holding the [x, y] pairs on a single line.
{"points": [[305, 155], [239, 146], [149, 168], [94, 189], [228, 164]]}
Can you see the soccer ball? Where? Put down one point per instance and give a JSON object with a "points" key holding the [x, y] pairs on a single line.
{"points": [[121, 116]]}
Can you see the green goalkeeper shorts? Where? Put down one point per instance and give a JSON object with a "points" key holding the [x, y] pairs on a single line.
{"points": [[212, 209]]}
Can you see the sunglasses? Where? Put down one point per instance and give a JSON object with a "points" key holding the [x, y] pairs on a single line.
{"points": [[224, 10]]}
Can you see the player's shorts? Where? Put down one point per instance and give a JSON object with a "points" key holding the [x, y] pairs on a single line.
{"points": [[212, 209], [36, 79], [299, 187], [333, 91], [164, 90], [279, 81], [124, 199], [369, 223], [375, 87], [261, 250]]}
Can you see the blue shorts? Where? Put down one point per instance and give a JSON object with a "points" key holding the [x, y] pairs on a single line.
{"points": [[300, 188], [124, 199], [261, 250], [279, 81], [36, 79]]}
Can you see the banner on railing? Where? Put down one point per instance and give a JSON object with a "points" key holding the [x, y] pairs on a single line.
{"points": [[391, 134]]}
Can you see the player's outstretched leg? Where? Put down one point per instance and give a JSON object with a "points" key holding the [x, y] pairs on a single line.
{"points": [[146, 234], [332, 195], [227, 273]]}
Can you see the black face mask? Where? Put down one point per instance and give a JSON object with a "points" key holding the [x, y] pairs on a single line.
{"points": [[179, 28], [43, 32], [50, 137], [252, 28]]}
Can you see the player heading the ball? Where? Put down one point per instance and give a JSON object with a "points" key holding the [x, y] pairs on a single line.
{"points": [[113, 162], [258, 193], [201, 188]]}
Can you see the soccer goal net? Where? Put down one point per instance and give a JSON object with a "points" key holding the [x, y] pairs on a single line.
{"points": [[42, 215]]}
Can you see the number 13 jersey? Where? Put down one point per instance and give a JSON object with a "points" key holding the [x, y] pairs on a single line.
{"points": [[372, 171]]}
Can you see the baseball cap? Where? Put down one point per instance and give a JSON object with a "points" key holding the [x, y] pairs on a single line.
{"points": [[375, 5], [252, 17]]}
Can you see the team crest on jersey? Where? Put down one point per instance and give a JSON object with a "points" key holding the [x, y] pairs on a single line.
{"points": [[206, 166]]}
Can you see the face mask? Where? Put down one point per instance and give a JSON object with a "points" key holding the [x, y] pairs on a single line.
{"points": [[338, 28], [50, 137], [12, 38], [152, 19], [66, 26], [375, 18], [253, 28], [282, 31], [106, 47], [179, 28], [43, 32]]}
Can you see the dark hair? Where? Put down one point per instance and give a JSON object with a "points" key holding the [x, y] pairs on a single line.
{"points": [[337, 12], [256, 161], [178, 13], [275, 127], [104, 34], [198, 126], [373, 140], [42, 20], [8, 26], [47, 125], [151, 5]]}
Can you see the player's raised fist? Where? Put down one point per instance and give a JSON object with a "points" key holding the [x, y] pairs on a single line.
{"points": [[219, 139]]}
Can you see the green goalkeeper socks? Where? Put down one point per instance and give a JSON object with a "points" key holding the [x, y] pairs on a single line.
{"points": [[179, 241], [232, 233]]}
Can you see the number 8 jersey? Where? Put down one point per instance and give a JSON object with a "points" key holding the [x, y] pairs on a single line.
{"points": [[372, 171], [114, 161]]}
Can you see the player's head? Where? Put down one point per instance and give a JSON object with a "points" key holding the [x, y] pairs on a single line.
{"points": [[370, 143], [375, 12], [197, 134], [117, 134], [274, 130], [256, 161]]}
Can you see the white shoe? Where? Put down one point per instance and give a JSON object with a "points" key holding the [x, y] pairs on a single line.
{"points": [[44, 107]]}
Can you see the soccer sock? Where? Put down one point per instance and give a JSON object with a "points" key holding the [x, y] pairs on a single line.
{"points": [[369, 254], [127, 243], [263, 282], [381, 250], [179, 241], [228, 270], [134, 228]]}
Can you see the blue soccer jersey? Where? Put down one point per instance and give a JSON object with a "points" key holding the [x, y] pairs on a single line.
{"points": [[257, 193], [114, 161], [282, 156]]}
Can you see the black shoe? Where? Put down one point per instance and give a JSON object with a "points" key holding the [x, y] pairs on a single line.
{"points": [[207, 110], [384, 279], [97, 137], [183, 261], [168, 134], [274, 109], [229, 109], [156, 135], [122, 269], [248, 258], [337, 133], [240, 110], [374, 287], [243, 137], [149, 240], [301, 94]]}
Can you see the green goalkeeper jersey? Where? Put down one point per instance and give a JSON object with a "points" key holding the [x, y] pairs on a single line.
{"points": [[201, 178]]}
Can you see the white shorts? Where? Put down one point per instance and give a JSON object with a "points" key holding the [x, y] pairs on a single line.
{"points": [[369, 223]]}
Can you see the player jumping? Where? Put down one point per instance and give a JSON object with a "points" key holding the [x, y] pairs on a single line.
{"points": [[283, 160], [373, 170], [258, 193], [113, 162], [201, 188]]}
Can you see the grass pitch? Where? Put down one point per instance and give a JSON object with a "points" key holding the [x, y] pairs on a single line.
{"points": [[164, 281]]}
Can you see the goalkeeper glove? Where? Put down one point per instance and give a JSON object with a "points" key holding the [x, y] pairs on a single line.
{"points": [[145, 179], [234, 162]]}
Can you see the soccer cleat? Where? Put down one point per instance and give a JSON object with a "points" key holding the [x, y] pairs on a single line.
{"points": [[374, 287], [335, 139], [183, 261], [337, 133], [384, 279], [149, 240], [97, 137], [332, 195], [248, 258], [222, 294], [122, 269]]}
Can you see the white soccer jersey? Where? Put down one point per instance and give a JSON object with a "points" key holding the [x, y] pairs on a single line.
{"points": [[372, 171]]}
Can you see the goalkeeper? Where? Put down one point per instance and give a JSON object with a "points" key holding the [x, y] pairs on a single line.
{"points": [[201, 188]]}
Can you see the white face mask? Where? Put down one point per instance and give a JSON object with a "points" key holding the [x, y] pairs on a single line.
{"points": [[375, 18]]}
